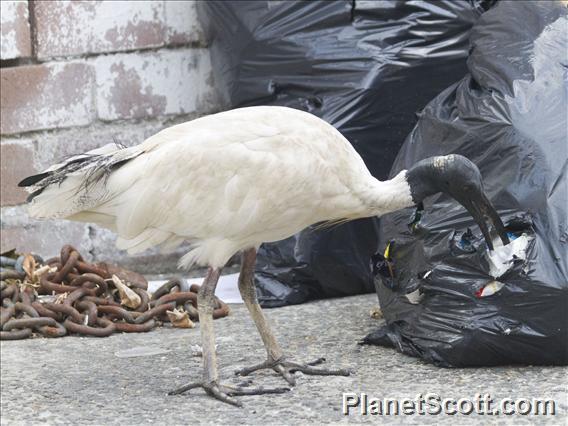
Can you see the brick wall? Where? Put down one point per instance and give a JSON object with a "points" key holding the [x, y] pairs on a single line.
{"points": [[77, 75]]}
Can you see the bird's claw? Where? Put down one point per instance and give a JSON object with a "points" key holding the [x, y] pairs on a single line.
{"points": [[287, 369], [225, 392]]}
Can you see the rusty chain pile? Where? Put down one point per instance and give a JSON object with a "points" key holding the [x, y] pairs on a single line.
{"points": [[89, 299]]}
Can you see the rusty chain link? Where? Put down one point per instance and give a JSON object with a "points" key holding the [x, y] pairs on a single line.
{"points": [[91, 299]]}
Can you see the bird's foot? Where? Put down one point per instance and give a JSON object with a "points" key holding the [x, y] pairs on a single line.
{"points": [[225, 392], [287, 369]]}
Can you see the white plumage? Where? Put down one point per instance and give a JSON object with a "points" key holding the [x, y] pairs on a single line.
{"points": [[231, 181], [224, 182]]}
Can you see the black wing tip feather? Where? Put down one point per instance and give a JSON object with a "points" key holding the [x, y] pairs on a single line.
{"points": [[97, 167], [32, 180], [34, 194]]}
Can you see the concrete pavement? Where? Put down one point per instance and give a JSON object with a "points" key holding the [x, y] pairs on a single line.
{"points": [[79, 380]]}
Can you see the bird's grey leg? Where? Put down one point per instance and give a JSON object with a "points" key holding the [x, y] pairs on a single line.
{"points": [[276, 359], [248, 293], [210, 382]]}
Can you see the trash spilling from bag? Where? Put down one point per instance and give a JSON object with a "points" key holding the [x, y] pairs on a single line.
{"points": [[503, 257], [509, 116], [66, 295], [366, 68]]}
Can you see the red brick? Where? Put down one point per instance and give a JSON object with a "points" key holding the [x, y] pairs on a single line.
{"points": [[55, 146], [15, 30], [80, 27], [167, 82], [182, 23], [46, 96], [16, 163]]}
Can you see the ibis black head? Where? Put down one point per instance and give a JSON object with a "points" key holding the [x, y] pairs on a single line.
{"points": [[458, 177]]}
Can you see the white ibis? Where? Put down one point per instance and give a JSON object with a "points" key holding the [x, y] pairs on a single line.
{"points": [[229, 182]]}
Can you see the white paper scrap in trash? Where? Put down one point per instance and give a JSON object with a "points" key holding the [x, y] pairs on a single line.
{"points": [[501, 259], [227, 287]]}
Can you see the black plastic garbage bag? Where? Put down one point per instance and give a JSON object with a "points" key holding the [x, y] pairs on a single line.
{"points": [[366, 67], [445, 298]]}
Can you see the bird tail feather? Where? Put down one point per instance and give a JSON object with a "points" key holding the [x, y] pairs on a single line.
{"points": [[73, 186]]}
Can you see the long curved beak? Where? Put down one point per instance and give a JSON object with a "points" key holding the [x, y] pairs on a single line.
{"points": [[432, 175], [482, 212]]}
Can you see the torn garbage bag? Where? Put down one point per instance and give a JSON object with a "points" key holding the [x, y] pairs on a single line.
{"points": [[366, 68], [445, 297]]}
